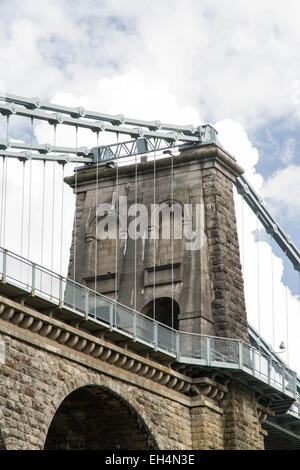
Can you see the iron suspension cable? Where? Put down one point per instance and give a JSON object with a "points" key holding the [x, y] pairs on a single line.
{"points": [[243, 235], [43, 212], [96, 217], [4, 189], [272, 290], [298, 287], [135, 237], [43, 218], [258, 277], [4, 170], [116, 222], [5, 203], [53, 201], [30, 192], [22, 207], [62, 217], [5, 207], [154, 235], [286, 309], [75, 225], [1, 205], [172, 238]]}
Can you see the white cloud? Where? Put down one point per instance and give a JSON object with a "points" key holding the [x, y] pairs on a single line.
{"points": [[287, 153], [234, 139], [229, 60], [272, 308], [233, 63], [281, 190]]}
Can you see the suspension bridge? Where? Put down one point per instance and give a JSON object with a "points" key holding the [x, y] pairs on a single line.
{"points": [[36, 213]]}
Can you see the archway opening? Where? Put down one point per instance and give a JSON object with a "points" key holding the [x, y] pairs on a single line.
{"points": [[165, 310], [94, 418]]}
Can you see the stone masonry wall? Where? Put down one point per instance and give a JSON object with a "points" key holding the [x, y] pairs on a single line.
{"points": [[228, 301], [210, 290], [240, 420], [207, 428], [166, 409], [78, 256], [33, 383]]}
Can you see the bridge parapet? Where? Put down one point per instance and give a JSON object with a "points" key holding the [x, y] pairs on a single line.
{"points": [[72, 303]]}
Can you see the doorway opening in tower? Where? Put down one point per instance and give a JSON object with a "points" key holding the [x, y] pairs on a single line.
{"points": [[165, 310]]}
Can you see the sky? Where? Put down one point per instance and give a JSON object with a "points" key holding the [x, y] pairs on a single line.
{"points": [[233, 64]]}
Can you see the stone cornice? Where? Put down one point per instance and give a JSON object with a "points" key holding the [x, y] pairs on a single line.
{"points": [[264, 412], [205, 155], [32, 326]]}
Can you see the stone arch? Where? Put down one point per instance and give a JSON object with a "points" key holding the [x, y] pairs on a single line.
{"points": [[156, 213], [105, 241], [163, 311], [109, 211], [134, 435], [165, 234]]}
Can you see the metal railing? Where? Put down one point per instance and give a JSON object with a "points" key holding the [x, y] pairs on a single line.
{"points": [[295, 408], [185, 347]]}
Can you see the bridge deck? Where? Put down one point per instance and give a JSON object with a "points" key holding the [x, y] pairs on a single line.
{"points": [[95, 313]]}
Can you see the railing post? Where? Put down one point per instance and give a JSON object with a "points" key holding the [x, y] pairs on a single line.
{"points": [[269, 369], [297, 404], [155, 335], [283, 379], [208, 351], [111, 316], [253, 362], [33, 266], [177, 345], [4, 266], [134, 326], [74, 294], [241, 358], [60, 291], [295, 389], [86, 304]]}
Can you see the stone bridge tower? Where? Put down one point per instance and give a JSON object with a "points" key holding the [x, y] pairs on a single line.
{"points": [[69, 383], [203, 278]]}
